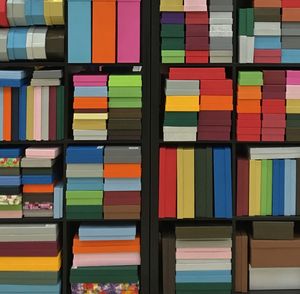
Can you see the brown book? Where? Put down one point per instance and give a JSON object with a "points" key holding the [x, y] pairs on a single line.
{"points": [[122, 198], [124, 113], [124, 124], [55, 43], [122, 208], [273, 230], [203, 232], [122, 215], [241, 257]]}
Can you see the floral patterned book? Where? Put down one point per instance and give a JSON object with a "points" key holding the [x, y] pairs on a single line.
{"points": [[111, 288], [10, 162]]}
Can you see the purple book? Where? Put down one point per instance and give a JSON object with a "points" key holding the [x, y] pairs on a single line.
{"points": [[172, 18]]}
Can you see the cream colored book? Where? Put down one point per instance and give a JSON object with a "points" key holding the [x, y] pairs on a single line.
{"points": [[29, 113]]}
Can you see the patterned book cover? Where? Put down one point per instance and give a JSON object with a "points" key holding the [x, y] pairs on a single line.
{"points": [[111, 288], [10, 162], [37, 205], [10, 200]]}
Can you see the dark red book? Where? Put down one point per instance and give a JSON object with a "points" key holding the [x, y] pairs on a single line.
{"points": [[183, 73], [197, 30], [167, 182], [273, 131], [3, 14], [274, 77], [242, 201], [196, 43], [217, 136], [196, 18], [274, 95], [273, 123], [290, 3], [215, 129], [267, 59], [267, 53], [52, 113], [250, 138], [272, 138], [122, 198], [273, 117]]}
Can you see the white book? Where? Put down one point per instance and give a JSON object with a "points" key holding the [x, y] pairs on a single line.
{"points": [[29, 42], [45, 113], [3, 44], [275, 153], [250, 50], [220, 14], [182, 137], [89, 133], [243, 49], [87, 138], [39, 43], [225, 21], [221, 34], [220, 28], [274, 278]]}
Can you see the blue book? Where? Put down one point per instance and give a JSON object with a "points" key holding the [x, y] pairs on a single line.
{"points": [[28, 11], [10, 180], [290, 55], [79, 31], [278, 187], [85, 186], [11, 152], [293, 187], [13, 74], [122, 185], [45, 289], [31, 180], [84, 154], [90, 92], [58, 201], [13, 82], [20, 38], [1, 113], [222, 182], [289, 187], [37, 12], [267, 42], [203, 273], [22, 112], [120, 230], [10, 44]]}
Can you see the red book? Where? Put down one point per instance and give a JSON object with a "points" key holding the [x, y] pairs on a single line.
{"points": [[272, 138], [224, 88], [273, 106], [267, 59], [250, 138], [167, 182], [196, 30], [196, 43], [242, 201], [273, 123], [249, 116], [196, 18], [267, 53], [217, 136], [197, 53], [3, 14], [249, 131], [184, 73], [246, 123], [122, 198], [199, 59], [52, 113], [273, 131], [290, 3]]}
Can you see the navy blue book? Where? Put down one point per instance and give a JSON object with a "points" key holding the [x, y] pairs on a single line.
{"points": [[11, 152], [22, 112], [85, 154], [15, 114], [31, 180], [278, 187]]}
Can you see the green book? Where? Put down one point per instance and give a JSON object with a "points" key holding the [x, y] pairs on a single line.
{"points": [[84, 201], [173, 60], [250, 22], [173, 53], [125, 81], [269, 187], [10, 207], [172, 43], [203, 287], [84, 194], [187, 119], [243, 22], [266, 188], [250, 78], [60, 106], [125, 92], [172, 30], [125, 102]]}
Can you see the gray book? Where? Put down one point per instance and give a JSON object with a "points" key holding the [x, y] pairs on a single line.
{"points": [[290, 29], [37, 212], [122, 159], [182, 84], [37, 162], [122, 151], [45, 82], [226, 8], [182, 92], [48, 74], [290, 42], [221, 2], [84, 166], [221, 43], [223, 53], [84, 173], [90, 132], [3, 44], [220, 59]]}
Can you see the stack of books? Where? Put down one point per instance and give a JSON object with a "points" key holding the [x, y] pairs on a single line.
{"points": [[192, 90], [106, 258], [195, 182], [267, 182], [122, 182], [10, 183], [84, 182], [30, 258], [125, 104], [90, 107], [274, 257], [269, 32], [40, 173], [249, 106]]}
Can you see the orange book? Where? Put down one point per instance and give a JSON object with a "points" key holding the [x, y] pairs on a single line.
{"points": [[249, 92], [267, 3], [104, 31], [120, 170], [49, 188], [90, 103], [7, 114], [105, 246], [216, 99], [291, 14]]}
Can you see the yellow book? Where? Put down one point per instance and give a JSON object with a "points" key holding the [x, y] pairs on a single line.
{"points": [[292, 109], [293, 102], [29, 113], [47, 264], [189, 100], [185, 183], [182, 107], [254, 187], [89, 124], [54, 12], [93, 116], [47, 12], [171, 5]]}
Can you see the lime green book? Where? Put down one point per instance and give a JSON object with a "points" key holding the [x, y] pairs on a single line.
{"points": [[125, 81], [125, 102], [173, 53], [250, 78], [266, 187], [84, 194], [125, 92], [173, 60]]}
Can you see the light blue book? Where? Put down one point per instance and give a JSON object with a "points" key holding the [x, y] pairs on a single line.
{"points": [[90, 92], [20, 38], [58, 200], [22, 289], [28, 11], [105, 238], [290, 56], [37, 12], [79, 31], [13, 74], [202, 274], [289, 187], [267, 43], [214, 278], [1, 113], [85, 184], [122, 185], [10, 44]]}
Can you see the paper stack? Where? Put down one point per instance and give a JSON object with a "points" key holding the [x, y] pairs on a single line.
{"points": [[195, 183], [267, 182], [125, 104], [293, 105], [106, 257], [30, 259], [249, 106], [203, 259], [10, 183], [182, 106], [221, 31], [122, 182], [274, 257], [273, 106], [84, 182], [40, 172], [90, 107]]}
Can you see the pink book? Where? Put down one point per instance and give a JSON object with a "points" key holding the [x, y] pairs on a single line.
{"points": [[273, 131], [106, 259], [203, 255], [11, 214], [89, 78], [129, 31], [267, 59], [273, 123], [35, 152], [273, 138], [37, 116], [294, 74]]}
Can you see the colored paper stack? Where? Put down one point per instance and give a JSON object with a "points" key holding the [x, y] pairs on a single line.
{"points": [[10, 183], [122, 182], [249, 106], [293, 106], [273, 106], [84, 182], [125, 104], [40, 172], [220, 31], [182, 106], [274, 257], [196, 31], [30, 258], [203, 259], [267, 182], [106, 258], [216, 105], [195, 183], [90, 107]]}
